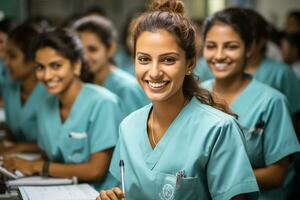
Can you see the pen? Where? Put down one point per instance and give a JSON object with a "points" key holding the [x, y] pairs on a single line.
{"points": [[121, 164], [179, 176]]}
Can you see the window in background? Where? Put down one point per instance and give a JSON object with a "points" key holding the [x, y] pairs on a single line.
{"points": [[215, 5]]}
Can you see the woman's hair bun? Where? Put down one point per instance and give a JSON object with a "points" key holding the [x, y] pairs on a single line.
{"points": [[175, 6]]}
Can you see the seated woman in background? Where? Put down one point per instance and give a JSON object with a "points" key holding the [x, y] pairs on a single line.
{"points": [[21, 92], [262, 111], [97, 35], [271, 72], [78, 125], [182, 146]]}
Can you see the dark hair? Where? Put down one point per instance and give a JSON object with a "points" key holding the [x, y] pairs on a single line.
{"points": [[234, 17], [24, 37], [293, 40], [67, 44], [101, 26], [260, 27], [7, 25], [169, 15], [294, 14]]}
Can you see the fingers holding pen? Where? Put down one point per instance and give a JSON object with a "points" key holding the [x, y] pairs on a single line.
{"points": [[113, 194]]}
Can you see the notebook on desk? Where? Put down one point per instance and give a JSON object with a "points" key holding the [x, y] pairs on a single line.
{"points": [[39, 181], [67, 192]]}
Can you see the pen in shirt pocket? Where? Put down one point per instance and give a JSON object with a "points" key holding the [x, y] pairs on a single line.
{"points": [[259, 128], [179, 175], [77, 135]]}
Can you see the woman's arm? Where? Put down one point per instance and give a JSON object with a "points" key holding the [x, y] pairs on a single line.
{"points": [[92, 170], [272, 176], [20, 147]]}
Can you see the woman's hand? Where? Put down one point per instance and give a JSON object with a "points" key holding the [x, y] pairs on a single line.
{"points": [[113, 194], [28, 168]]}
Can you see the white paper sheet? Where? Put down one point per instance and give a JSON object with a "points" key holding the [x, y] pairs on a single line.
{"points": [[68, 192]]}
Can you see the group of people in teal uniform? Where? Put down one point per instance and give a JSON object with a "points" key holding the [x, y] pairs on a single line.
{"points": [[262, 111], [231, 137], [266, 70], [51, 107], [98, 38], [20, 91]]}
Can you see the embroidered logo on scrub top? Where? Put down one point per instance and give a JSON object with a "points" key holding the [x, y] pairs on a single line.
{"points": [[76, 157], [167, 192]]}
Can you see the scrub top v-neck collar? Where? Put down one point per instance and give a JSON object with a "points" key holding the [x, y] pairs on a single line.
{"points": [[243, 95], [27, 106], [153, 155], [73, 110]]}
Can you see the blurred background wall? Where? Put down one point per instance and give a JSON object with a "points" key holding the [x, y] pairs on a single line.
{"points": [[275, 11]]}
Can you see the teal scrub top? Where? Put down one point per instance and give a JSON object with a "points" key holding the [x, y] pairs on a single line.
{"points": [[204, 142], [124, 61], [202, 70], [281, 77], [267, 126], [21, 119], [91, 126], [127, 89], [2, 69]]}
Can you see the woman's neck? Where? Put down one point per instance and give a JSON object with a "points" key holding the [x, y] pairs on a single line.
{"points": [[253, 63], [228, 89], [166, 111], [68, 97], [27, 86], [102, 74]]}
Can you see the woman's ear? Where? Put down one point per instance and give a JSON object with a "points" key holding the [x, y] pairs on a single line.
{"points": [[112, 49], [250, 50], [77, 67], [191, 64]]}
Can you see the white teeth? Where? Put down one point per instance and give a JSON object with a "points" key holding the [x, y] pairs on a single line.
{"points": [[221, 66], [157, 85], [52, 84]]}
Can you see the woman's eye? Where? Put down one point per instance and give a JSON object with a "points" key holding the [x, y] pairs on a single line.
{"points": [[92, 49], [143, 60], [232, 46], [209, 46], [56, 65], [39, 67], [169, 60]]}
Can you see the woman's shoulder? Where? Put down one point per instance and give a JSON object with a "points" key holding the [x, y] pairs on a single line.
{"points": [[207, 115], [98, 93], [136, 115], [266, 92]]}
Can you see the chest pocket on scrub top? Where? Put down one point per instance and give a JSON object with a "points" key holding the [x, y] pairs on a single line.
{"points": [[255, 144], [75, 147], [171, 187]]}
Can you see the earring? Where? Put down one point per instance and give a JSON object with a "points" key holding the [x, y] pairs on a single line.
{"points": [[189, 72]]}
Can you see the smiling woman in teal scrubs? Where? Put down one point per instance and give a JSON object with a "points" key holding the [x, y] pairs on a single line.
{"points": [[78, 125], [21, 91], [262, 111], [182, 146], [271, 72], [97, 35]]}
